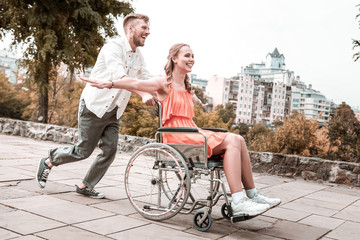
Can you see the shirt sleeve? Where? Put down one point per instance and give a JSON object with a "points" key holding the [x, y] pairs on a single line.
{"points": [[114, 57]]}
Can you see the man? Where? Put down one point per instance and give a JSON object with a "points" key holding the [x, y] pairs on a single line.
{"points": [[100, 109]]}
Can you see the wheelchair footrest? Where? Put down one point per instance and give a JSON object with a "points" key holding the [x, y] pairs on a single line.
{"points": [[240, 217]]}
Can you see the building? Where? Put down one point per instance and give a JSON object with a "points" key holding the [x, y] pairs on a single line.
{"points": [[311, 103], [201, 83], [266, 92], [9, 65]]}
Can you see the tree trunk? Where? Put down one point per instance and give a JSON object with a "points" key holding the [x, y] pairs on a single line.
{"points": [[43, 85]]}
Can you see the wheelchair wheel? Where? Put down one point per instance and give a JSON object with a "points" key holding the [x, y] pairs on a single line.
{"points": [[225, 211], [202, 225], [144, 181], [200, 191]]}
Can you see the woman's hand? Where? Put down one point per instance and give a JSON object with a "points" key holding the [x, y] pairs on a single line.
{"points": [[95, 83]]}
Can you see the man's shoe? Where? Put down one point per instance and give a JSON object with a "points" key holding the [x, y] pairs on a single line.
{"points": [[42, 173], [259, 198], [87, 192], [248, 207]]}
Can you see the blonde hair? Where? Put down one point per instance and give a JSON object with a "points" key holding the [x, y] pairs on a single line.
{"points": [[169, 66], [133, 16]]}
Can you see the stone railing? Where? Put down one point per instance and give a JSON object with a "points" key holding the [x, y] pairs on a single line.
{"points": [[309, 168]]}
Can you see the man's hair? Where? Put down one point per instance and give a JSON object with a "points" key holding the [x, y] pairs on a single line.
{"points": [[133, 16]]}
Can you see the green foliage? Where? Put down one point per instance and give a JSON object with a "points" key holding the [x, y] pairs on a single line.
{"points": [[56, 31], [260, 138], [296, 135], [226, 114], [12, 101], [208, 119], [200, 94], [63, 104], [139, 119], [344, 134]]}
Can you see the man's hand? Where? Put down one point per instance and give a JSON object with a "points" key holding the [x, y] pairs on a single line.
{"points": [[96, 84], [148, 99]]}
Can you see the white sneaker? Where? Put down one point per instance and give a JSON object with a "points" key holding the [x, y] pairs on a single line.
{"points": [[259, 198], [247, 206]]}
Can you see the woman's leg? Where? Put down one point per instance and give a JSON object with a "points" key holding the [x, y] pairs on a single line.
{"points": [[237, 164]]}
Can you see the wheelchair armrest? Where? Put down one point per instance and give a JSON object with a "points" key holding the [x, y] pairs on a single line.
{"points": [[177, 129], [215, 129]]}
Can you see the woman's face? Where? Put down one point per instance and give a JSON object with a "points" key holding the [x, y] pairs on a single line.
{"points": [[185, 59]]}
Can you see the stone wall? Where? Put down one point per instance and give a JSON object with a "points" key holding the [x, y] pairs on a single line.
{"points": [[309, 168]]}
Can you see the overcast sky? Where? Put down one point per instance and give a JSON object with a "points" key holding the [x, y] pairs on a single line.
{"points": [[315, 36]]}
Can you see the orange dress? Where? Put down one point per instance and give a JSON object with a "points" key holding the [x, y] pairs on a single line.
{"points": [[178, 111]]}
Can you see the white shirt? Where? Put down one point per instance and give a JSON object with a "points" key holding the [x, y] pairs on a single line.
{"points": [[116, 59]]}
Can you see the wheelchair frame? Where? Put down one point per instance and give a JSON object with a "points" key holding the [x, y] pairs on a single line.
{"points": [[167, 175]]}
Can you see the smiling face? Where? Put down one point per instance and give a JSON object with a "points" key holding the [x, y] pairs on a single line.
{"points": [[184, 59], [138, 32]]}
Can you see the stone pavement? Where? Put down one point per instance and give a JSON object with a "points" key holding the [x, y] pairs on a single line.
{"points": [[309, 210]]}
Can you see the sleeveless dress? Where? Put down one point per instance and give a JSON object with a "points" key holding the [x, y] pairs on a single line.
{"points": [[178, 111]]}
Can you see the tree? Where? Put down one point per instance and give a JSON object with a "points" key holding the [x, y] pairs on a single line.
{"points": [[208, 119], [12, 104], [200, 94], [261, 138], [226, 113], [56, 31], [296, 135], [356, 43], [344, 134], [139, 119]]}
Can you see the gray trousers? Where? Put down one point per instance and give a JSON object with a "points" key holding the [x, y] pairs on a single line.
{"points": [[92, 130]]}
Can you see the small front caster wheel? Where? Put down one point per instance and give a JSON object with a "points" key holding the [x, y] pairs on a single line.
{"points": [[200, 225], [225, 211]]}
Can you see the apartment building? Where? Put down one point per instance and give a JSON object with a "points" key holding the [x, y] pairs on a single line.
{"points": [[266, 92], [9, 65]]}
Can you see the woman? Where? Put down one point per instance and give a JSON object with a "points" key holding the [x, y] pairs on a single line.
{"points": [[174, 93]]}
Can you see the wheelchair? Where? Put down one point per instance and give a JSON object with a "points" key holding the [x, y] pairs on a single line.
{"points": [[162, 180]]}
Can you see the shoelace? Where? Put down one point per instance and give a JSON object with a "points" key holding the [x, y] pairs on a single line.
{"points": [[91, 191], [45, 174]]}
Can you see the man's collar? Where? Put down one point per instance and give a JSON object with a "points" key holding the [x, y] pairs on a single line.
{"points": [[128, 47]]}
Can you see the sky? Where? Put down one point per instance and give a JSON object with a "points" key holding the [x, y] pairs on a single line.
{"points": [[314, 36]]}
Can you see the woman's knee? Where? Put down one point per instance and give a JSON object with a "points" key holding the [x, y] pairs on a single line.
{"points": [[234, 140]]}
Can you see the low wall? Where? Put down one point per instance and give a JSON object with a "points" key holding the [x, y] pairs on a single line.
{"points": [[309, 168]]}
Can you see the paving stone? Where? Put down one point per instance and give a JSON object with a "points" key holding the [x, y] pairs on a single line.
{"points": [[216, 231], [333, 197], [347, 231], [57, 209], [312, 206], [14, 192], [27, 237], [25, 223], [321, 221], [6, 234], [113, 224], [351, 213], [308, 209], [154, 231], [70, 233], [179, 222], [122, 207], [5, 209], [296, 231], [286, 214], [247, 235]]}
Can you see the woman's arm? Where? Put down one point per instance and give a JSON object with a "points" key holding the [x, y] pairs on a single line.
{"points": [[151, 85], [197, 101]]}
